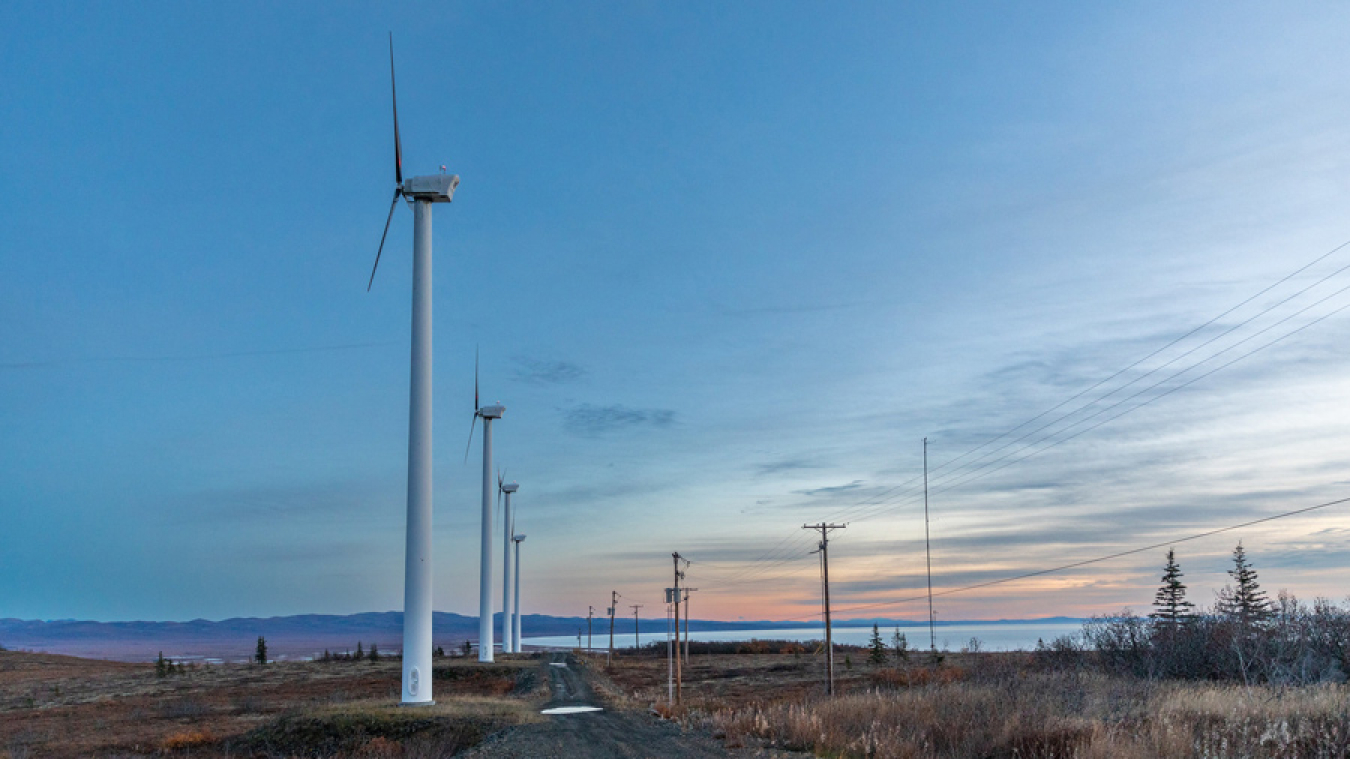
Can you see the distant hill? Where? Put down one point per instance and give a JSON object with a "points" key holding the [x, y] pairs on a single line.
{"points": [[306, 635]]}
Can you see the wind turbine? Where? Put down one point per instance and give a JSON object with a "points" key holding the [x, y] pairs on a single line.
{"points": [[508, 527], [515, 616], [487, 414], [421, 192]]}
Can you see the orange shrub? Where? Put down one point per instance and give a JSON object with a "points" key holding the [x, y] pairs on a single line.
{"points": [[919, 676], [188, 739]]}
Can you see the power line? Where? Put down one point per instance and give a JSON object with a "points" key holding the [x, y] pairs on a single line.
{"points": [[984, 471], [1081, 393], [1096, 560], [1171, 390], [1174, 375], [874, 500], [883, 502]]}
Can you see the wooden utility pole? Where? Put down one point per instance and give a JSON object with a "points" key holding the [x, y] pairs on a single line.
{"points": [[825, 562], [679, 675], [687, 591], [670, 658], [613, 601], [590, 612], [637, 639]]}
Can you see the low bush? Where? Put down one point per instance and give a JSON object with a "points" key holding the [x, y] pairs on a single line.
{"points": [[188, 739], [1296, 644]]}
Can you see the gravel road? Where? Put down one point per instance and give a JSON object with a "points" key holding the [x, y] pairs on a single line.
{"points": [[607, 734]]}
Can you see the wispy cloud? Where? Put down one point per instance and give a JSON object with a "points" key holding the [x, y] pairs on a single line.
{"points": [[589, 419], [546, 371], [832, 490], [786, 465]]}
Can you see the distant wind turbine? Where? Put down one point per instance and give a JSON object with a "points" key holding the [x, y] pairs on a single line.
{"points": [[508, 526], [422, 192], [487, 414], [515, 615]]}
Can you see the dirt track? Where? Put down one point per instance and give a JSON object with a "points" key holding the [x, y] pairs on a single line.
{"points": [[611, 733]]}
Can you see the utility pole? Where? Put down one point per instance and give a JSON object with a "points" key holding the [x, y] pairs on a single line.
{"points": [[679, 675], [637, 639], [825, 561], [590, 612], [670, 662], [928, 557], [687, 591], [613, 601]]}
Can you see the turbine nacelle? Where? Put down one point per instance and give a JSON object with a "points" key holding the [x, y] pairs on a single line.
{"points": [[510, 487], [519, 538], [435, 188], [490, 412]]}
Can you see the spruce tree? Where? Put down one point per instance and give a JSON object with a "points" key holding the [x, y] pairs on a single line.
{"points": [[160, 670], [1246, 602], [1170, 604], [877, 647], [260, 655], [901, 647], [374, 652], [360, 654]]}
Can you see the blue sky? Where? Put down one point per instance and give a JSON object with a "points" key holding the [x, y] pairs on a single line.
{"points": [[727, 265]]}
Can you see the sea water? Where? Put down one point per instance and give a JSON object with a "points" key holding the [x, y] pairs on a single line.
{"points": [[1013, 636]]}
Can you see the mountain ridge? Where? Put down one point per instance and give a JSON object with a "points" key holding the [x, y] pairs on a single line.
{"points": [[305, 635]]}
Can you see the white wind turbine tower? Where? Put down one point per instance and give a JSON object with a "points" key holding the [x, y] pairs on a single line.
{"points": [[508, 527], [515, 615], [422, 192], [487, 414]]}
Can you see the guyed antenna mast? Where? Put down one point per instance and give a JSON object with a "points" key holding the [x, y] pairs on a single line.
{"points": [[928, 557]]}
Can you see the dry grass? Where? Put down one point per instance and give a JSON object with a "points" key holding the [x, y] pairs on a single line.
{"points": [[988, 706], [1049, 715]]}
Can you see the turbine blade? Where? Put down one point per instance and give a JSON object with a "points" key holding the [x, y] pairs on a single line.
{"points": [[469, 444], [475, 379], [388, 219], [393, 89]]}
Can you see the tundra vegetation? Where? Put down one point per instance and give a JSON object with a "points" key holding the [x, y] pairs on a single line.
{"points": [[1248, 677], [64, 707]]}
